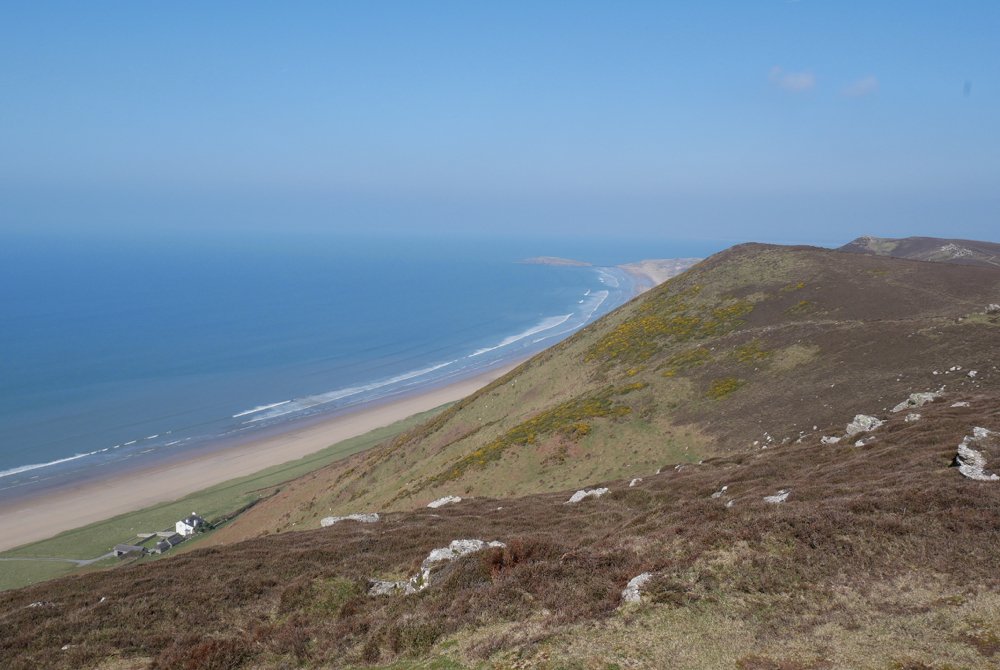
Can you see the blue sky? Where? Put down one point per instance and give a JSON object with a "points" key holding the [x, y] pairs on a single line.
{"points": [[803, 121]]}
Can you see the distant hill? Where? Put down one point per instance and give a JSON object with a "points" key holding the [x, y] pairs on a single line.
{"points": [[715, 408], [963, 252]]}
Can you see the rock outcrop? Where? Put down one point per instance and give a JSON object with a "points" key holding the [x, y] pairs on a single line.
{"points": [[583, 494], [447, 500], [422, 579], [863, 423], [779, 497], [360, 518], [917, 400], [632, 593], [970, 461]]}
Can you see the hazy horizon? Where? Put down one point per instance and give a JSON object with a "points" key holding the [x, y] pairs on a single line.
{"points": [[775, 121]]}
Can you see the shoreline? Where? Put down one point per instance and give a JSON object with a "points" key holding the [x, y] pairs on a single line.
{"points": [[49, 513], [651, 273]]}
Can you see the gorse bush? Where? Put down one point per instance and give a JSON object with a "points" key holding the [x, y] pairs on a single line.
{"points": [[676, 317]]}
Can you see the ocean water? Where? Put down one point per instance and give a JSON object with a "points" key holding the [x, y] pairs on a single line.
{"points": [[115, 351]]}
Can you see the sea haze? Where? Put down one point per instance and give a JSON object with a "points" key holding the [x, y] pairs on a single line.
{"points": [[118, 353]]}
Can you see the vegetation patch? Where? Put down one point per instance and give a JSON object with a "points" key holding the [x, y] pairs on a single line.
{"points": [[797, 286], [568, 419], [794, 355], [751, 352], [721, 388], [688, 358], [676, 317], [801, 307]]}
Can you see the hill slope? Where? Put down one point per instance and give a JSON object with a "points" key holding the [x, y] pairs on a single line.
{"points": [[754, 346], [881, 556], [963, 252]]}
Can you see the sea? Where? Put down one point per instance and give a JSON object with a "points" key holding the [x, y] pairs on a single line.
{"points": [[118, 350]]}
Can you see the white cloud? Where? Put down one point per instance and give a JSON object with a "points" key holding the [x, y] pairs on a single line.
{"points": [[862, 87], [796, 82]]}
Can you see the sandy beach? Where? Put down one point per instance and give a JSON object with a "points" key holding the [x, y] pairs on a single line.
{"points": [[653, 272], [41, 517]]}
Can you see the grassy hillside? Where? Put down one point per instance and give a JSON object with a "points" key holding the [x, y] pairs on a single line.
{"points": [[752, 347], [882, 557]]}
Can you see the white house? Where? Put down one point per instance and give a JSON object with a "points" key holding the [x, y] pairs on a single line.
{"points": [[189, 525]]}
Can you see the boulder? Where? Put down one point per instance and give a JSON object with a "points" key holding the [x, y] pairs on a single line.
{"points": [[721, 492], [971, 462], [917, 400], [360, 518], [960, 403], [632, 592], [863, 423], [422, 579], [993, 309], [447, 500], [582, 494], [828, 439], [914, 416], [779, 497], [634, 482]]}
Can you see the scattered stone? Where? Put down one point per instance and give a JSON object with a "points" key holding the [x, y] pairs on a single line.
{"points": [[65, 647], [447, 500], [730, 503], [779, 497], [993, 309], [971, 462], [721, 492], [917, 400], [865, 441], [360, 518], [586, 493], [961, 403], [41, 603], [634, 482], [829, 439], [863, 423], [972, 374], [914, 416], [632, 592], [422, 579]]}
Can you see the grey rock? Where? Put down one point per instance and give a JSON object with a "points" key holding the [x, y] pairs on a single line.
{"points": [[632, 592], [917, 400], [779, 497], [970, 461], [360, 518], [447, 500], [583, 494], [863, 423]]}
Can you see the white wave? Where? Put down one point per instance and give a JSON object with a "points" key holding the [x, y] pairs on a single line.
{"points": [[35, 466], [545, 324], [309, 402], [261, 408], [170, 444], [602, 296], [587, 293], [608, 279], [152, 437], [130, 443]]}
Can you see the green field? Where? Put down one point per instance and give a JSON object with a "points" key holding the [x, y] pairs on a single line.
{"points": [[216, 504]]}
